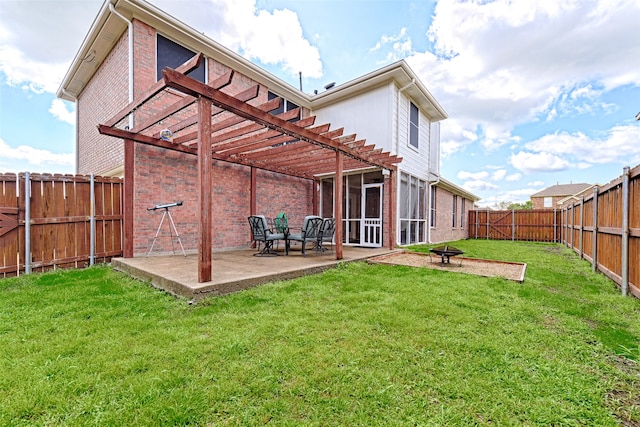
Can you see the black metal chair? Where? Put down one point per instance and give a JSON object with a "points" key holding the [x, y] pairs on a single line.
{"points": [[327, 230], [309, 232], [261, 233]]}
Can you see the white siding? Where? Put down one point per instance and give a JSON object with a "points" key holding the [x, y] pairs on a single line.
{"points": [[368, 115], [434, 138], [414, 161]]}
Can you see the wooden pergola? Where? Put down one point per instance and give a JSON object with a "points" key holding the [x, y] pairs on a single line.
{"points": [[213, 125]]}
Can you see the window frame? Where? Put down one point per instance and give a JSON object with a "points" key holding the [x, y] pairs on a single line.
{"points": [[454, 210], [413, 140], [163, 60]]}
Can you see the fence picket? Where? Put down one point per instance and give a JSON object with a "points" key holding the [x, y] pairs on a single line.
{"points": [[54, 224]]}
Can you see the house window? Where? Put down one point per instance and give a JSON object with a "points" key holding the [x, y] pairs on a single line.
{"points": [[171, 54], [454, 211], [413, 209], [414, 117], [548, 202], [462, 213], [432, 208], [286, 106]]}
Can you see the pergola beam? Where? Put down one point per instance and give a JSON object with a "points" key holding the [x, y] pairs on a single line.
{"points": [[193, 87], [188, 66]]}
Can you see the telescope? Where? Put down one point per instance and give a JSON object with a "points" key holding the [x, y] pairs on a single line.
{"points": [[165, 206]]}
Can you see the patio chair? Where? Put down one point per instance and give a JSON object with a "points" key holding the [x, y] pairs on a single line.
{"points": [[327, 230], [309, 232], [261, 233]]}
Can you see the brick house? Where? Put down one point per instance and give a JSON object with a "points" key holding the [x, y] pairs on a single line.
{"points": [[122, 56], [449, 208], [550, 197]]}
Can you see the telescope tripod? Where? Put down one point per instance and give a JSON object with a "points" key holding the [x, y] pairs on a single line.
{"points": [[171, 230]]}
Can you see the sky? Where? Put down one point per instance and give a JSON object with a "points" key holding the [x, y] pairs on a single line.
{"points": [[538, 92]]}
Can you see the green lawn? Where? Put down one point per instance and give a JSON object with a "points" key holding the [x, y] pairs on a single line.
{"points": [[360, 345]]}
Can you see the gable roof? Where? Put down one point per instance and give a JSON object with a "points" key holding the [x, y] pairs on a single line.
{"points": [[562, 190], [109, 25]]}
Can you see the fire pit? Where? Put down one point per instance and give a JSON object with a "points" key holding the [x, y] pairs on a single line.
{"points": [[446, 251]]}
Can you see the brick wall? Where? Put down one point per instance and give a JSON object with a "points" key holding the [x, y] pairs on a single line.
{"points": [[104, 95], [444, 230], [163, 176], [538, 202]]}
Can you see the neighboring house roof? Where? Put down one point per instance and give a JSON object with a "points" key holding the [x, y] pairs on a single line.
{"points": [[562, 190], [454, 189], [109, 25], [576, 196]]}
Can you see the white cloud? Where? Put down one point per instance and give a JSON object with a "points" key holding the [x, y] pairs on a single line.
{"points": [[513, 177], [472, 175], [494, 67], [536, 183], [619, 145], [269, 37], [537, 162], [59, 110], [478, 185], [499, 175], [400, 46], [32, 58], [34, 156]]}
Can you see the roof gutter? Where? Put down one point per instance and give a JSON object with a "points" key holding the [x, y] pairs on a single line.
{"points": [[130, 39]]}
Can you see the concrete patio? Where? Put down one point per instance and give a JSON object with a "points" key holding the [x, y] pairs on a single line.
{"points": [[233, 271]]}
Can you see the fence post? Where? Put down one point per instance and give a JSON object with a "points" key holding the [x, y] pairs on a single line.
{"points": [[27, 223], [92, 222], [477, 217], [487, 236], [581, 229], [573, 218], [555, 226], [513, 225], [594, 258], [625, 231]]}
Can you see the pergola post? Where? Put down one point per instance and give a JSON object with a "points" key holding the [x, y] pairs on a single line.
{"points": [[391, 181], [338, 203], [129, 164], [204, 189]]}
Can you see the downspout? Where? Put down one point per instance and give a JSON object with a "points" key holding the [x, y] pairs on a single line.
{"points": [[130, 36]]}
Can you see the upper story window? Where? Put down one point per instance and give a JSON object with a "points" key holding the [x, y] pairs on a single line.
{"points": [[414, 122], [548, 202], [286, 105], [171, 54]]}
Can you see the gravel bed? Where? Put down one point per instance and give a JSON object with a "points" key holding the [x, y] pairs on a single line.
{"points": [[480, 267]]}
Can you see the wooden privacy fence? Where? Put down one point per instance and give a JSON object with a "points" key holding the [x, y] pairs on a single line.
{"points": [[68, 221], [604, 228], [540, 225]]}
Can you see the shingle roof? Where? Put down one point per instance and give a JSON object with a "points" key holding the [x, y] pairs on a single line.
{"points": [[562, 190]]}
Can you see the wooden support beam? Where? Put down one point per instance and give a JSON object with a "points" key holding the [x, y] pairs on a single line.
{"points": [[204, 190], [337, 203], [189, 65], [129, 197], [193, 87], [390, 183]]}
